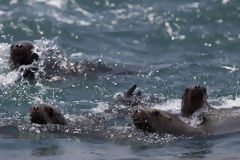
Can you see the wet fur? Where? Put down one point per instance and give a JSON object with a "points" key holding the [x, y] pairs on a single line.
{"points": [[156, 121], [21, 53], [43, 114], [194, 98]]}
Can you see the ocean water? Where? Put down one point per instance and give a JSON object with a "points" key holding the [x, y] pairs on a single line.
{"points": [[162, 46]]}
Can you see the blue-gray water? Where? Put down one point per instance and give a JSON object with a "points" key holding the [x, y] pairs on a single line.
{"points": [[168, 45]]}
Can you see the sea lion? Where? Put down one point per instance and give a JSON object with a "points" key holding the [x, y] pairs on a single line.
{"points": [[53, 62], [194, 98], [157, 121], [21, 54], [125, 104], [133, 98], [129, 98], [43, 114]]}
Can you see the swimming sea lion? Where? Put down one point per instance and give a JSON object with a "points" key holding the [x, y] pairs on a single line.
{"points": [[129, 98], [43, 114], [162, 122], [132, 99], [125, 104], [21, 54], [194, 97]]}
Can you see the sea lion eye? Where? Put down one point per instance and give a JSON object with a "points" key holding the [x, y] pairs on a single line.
{"points": [[156, 113]]}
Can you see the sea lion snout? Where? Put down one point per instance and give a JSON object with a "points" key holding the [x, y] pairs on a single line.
{"points": [[144, 119], [141, 121], [33, 109], [197, 87], [19, 45]]}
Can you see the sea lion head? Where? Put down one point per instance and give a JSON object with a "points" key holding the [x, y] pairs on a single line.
{"points": [[193, 98], [153, 120], [43, 114], [21, 54]]}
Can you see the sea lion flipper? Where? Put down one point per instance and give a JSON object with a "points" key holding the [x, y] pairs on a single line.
{"points": [[129, 93]]}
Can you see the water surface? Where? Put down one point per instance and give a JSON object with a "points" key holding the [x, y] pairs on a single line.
{"points": [[168, 45]]}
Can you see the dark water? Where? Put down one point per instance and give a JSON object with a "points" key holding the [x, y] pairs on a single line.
{"points": [[167, 46]]}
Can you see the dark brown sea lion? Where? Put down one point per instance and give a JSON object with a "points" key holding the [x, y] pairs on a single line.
{"points": [[43, 114], [194, 97], [21, 54], [156, 121]]}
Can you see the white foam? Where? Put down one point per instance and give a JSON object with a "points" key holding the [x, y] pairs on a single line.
{"points": [[9, 78], [79, 54], [172, 105], [227, 102], [13, 2], [61, 18], [230, 68], [101, 107], [55, 3], [2, 12], [225, 1], [169, 29], [84, 12], [74, 118], [189, 6], [117, 95], [193, 5]]}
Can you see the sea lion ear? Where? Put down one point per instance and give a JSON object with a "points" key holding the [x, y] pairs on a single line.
{"points": [[35, 56], [49, 110]]}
